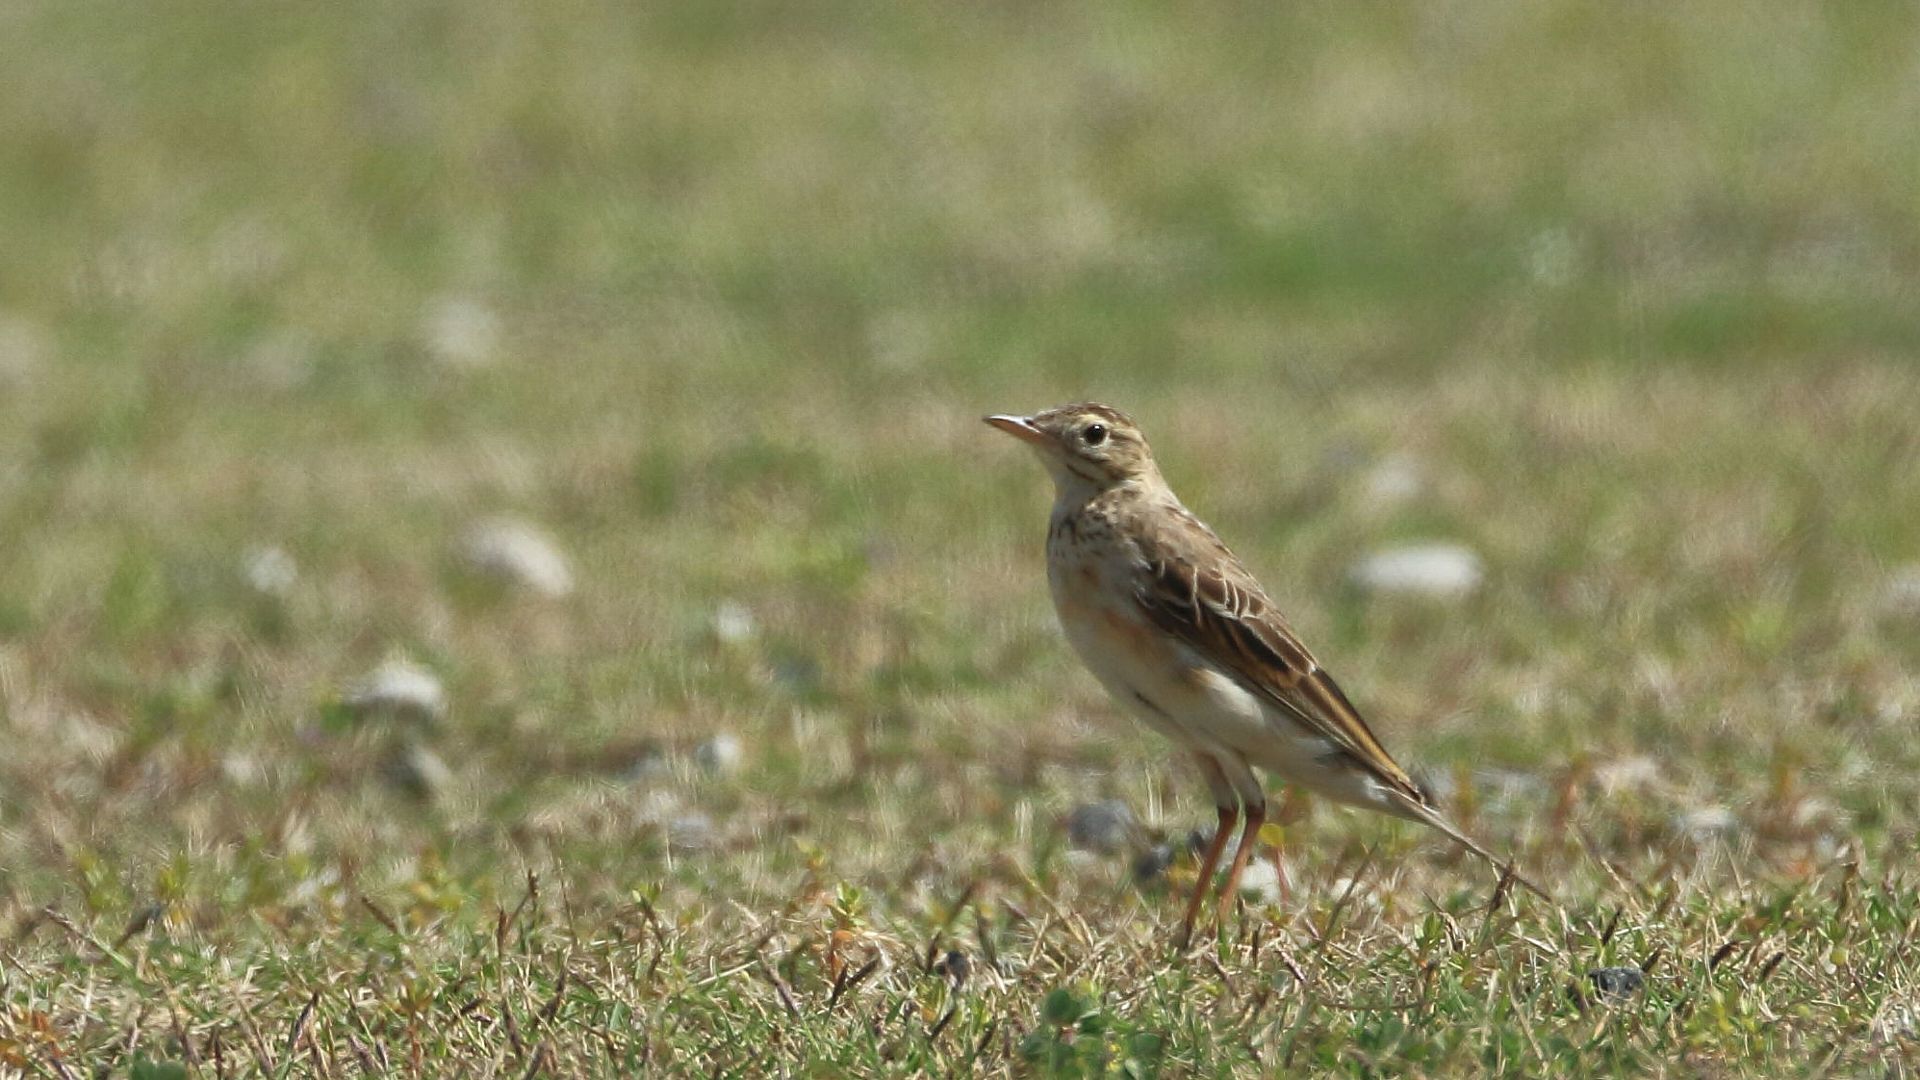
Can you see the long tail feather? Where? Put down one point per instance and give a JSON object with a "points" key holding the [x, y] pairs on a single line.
{"points": [[1430, 817]]}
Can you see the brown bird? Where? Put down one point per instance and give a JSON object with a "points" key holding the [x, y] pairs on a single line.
{"points": [[1184, 637]]}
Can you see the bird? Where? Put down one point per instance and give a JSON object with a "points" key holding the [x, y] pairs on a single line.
{"points": [[1181, 634]]}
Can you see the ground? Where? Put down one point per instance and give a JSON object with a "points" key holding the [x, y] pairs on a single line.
{"points": [[294, 298]]}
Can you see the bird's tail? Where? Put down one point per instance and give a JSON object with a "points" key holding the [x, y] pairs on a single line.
{"points": [[1432, 818]]}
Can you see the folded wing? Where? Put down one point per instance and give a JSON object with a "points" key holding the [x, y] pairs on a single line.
{"points": [[1196, 590]]}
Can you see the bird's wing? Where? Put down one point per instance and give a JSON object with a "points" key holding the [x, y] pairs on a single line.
{"points": [[1195, 589]]}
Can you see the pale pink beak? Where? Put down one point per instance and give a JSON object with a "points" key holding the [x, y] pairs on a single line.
{"points": [[1020, 428]]}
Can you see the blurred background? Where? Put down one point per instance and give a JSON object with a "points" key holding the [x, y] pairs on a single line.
{"points": [[438, 440]]}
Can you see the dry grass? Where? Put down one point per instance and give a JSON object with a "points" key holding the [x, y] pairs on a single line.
{"points": [[716, 301]]}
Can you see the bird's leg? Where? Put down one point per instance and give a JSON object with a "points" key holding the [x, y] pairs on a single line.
{"points": [[1280, 873], [1293, 808], [1256, 816], [1208, 862]]}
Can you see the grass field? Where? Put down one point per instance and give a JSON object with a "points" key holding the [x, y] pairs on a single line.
{"points": [[1623, 298]]}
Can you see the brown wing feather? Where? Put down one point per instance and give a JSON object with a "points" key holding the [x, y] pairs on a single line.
{"points": [[1196, 590]]}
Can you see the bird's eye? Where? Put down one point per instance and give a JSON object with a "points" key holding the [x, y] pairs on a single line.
{"points": [[1095, 434]]}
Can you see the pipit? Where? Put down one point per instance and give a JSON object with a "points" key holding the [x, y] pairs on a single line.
{"points": [[1184, 637]]}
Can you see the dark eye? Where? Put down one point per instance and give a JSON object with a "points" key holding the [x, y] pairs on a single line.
{"points": [[1095, 434]]}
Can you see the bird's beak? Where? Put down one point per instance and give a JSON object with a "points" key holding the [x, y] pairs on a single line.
{"points": [[1020, 428]]}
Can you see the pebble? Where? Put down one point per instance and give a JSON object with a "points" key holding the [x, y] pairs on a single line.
{"points": [[243, 769], [1708, 823], [1552, 257], [1817, 815], [1616, 983], [1628, 775], [1260, 882], [955, 966], [733, 623], [460, 332], [720, 755], [398, 690], [1152, 863], [1105, 827], [1436, 570], [517, 554], [270, 571], [1395, 480], [692, 832]]}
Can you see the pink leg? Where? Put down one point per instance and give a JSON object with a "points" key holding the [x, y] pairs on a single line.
{"points": [[1208, 862], [1256, 816]]}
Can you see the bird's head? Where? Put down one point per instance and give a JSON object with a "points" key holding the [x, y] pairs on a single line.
{"points": [[1086, 444]]}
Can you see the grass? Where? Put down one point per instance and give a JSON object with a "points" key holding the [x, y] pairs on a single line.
{"points": [[715, 298]]}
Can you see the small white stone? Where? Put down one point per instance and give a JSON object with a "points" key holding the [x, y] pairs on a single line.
{"points": [[460, 332], [516, 553], [1105, 827], [1552, 257], [721, 755], [1708, 823], [1260, 882], [1631, 774], [692, 832], [1395, 480], [271, 571], [1437, 570], [733, 623], [1817, 815], [243, 769], [398, 690]]}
